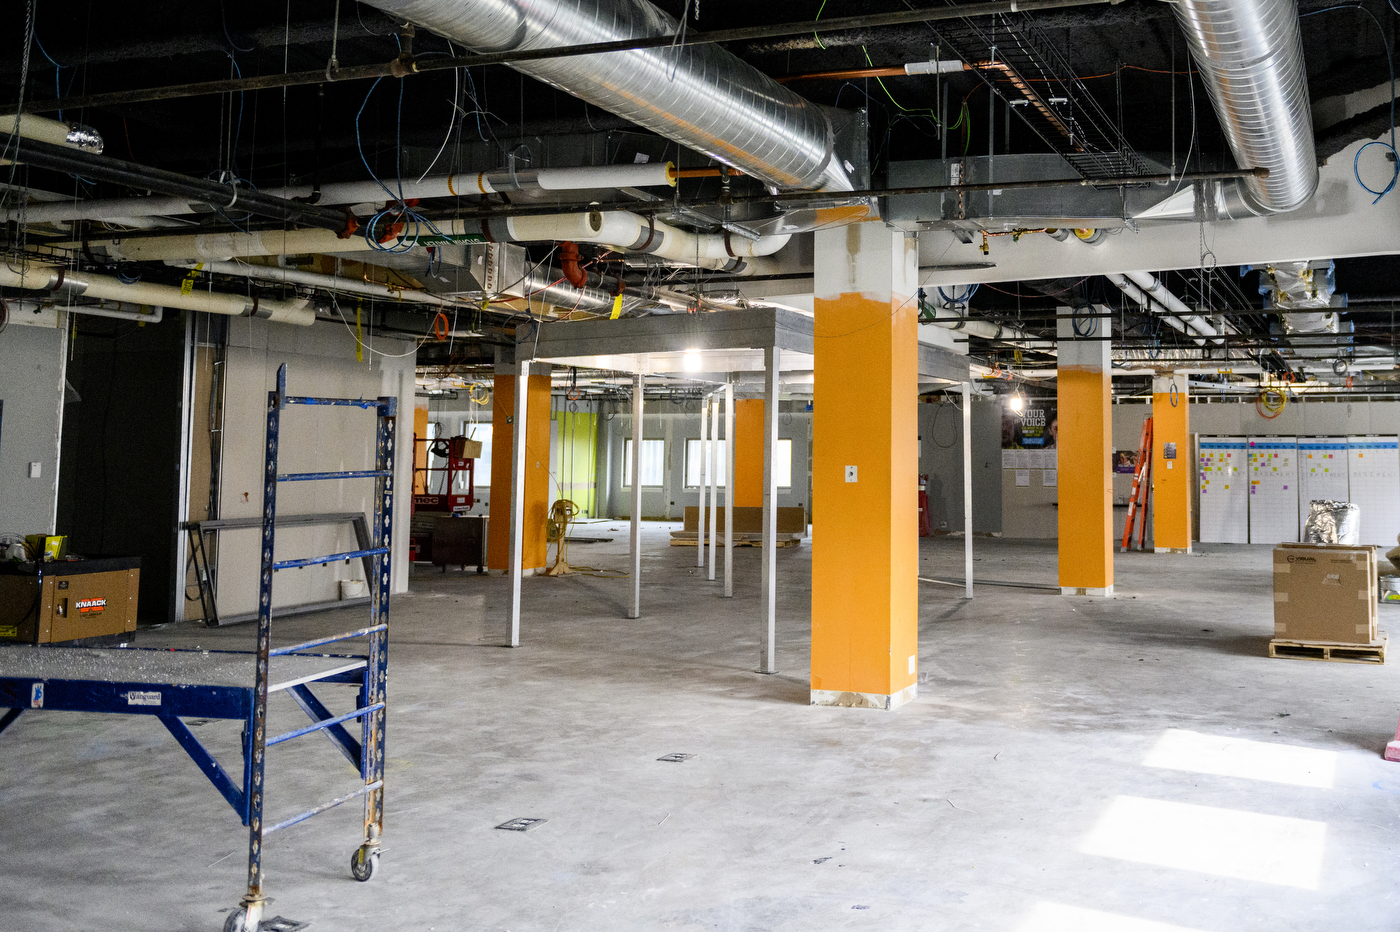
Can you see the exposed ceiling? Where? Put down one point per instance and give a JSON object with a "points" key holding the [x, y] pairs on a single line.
{"points": [[1129, 59]]}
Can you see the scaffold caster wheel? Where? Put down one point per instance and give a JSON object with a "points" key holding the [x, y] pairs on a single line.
{"points": [[363, 863], [237, 921]]}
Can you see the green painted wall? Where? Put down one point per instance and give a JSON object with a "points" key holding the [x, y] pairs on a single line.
{"points": [[578, 459]]}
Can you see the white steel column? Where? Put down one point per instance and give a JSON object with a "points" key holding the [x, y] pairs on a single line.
{"points": [[714, 480], [517, 495], [768, 661], [704, 462], [729, 490], [636, 609], [967, 485]]}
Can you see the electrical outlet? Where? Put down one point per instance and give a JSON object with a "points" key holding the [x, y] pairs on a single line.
{"points": [[35, 470], [850, 474]]}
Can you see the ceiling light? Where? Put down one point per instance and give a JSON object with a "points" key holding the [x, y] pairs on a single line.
{"points": [[1017, 402], [692, 360]]}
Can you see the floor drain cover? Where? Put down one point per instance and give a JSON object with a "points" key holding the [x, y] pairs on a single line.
{"points": [[521, 825], [676, 758]]}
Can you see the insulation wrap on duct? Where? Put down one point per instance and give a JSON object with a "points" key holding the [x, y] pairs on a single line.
{"points": [[1332, 523]]}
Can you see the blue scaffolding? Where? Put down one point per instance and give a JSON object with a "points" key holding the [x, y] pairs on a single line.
{"points": [[172, 685]]}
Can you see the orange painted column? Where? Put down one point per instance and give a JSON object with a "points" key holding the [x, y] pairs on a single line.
{"points": [[420, 451], [1084, 442], [865, 544], [748, 453], [1171, 465], [536, 471]]}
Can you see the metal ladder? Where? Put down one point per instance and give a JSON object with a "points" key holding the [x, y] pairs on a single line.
{"points": [[368, 753], [1142, 487]]}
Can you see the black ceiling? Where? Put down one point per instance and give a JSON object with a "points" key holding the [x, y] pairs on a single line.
{"points": [[1125, 54]]}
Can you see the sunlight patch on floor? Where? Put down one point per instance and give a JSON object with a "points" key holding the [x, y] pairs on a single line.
{"points": [[1224, 842], [1057, 917], [1238, 757]]}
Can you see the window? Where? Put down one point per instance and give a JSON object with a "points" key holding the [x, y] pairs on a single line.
{"points": [[653, 462], [481, 469], [782, 463], [693, 460]]}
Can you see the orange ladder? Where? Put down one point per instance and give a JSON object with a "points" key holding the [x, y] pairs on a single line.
{"points": [[1142, 485]]}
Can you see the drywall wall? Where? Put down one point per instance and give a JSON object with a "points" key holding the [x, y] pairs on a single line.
{"points": [[941, 459], [320, 361], [1034, 514], [676, 423], [31, 408]]}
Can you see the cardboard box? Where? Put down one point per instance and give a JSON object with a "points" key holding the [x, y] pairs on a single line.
{"points": [[1325, 592], [464, 449]]}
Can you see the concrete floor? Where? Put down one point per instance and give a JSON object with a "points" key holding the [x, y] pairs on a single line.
{"points": [[1065, 767]]}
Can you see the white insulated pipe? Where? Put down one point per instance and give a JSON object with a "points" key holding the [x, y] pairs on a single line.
{"points": [[206, 246], [946, 317], [471, 184], [279, 275], [1142, 298], [52, 278], [53, 132], [631, 233], [621, 229], [1163, 296], [947, 66]]}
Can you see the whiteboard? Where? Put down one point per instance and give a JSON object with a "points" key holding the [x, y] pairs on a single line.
{"points": [[1224, 490], [1273, 490], [1322, 472], [1373, 473]]}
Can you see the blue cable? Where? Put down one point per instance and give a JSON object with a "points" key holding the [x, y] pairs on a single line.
{"points": [[238, 130], [1390, 64], [57, 88], [971, 290], [413, 222]]}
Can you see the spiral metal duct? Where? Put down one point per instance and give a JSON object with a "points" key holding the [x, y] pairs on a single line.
{"points": [[1250, 55], [700, 96]]}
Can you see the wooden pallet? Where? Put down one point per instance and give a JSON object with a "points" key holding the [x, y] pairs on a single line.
{"points": [[1373, 652]]}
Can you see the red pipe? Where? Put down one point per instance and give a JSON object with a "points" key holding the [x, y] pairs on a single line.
{"points": [[568, 260]]}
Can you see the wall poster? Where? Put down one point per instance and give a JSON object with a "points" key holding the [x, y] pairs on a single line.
{"points": [[1034, 428]]}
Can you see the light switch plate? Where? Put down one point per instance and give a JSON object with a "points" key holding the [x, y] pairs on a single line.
{"points": [[850, 474], [35, 470]]}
